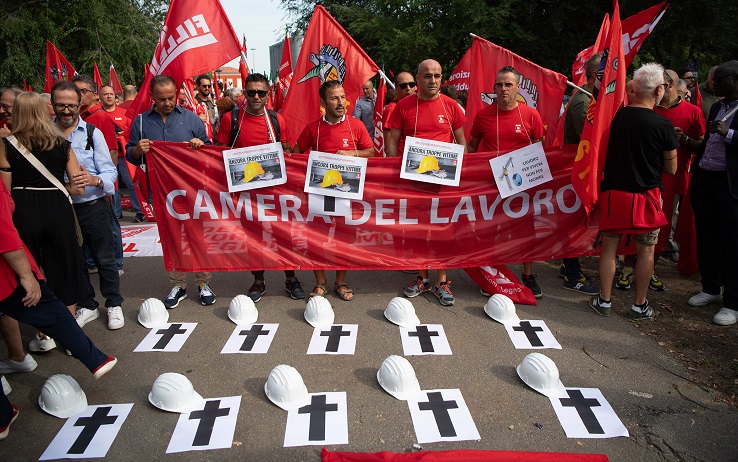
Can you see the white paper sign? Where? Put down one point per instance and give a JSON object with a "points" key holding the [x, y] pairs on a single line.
{"points": [[88, 434], [338, 339], [585, 413], [531, 334], [328, 205], [254, 167], [168, 337], [211, 426], [424, 339], [324, 421], [141, 241], [250, 338], [441, 415], [521, 169], [432, 161], [335, 175]]}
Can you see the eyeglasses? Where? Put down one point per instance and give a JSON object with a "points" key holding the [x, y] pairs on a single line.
{"points": [[6, 107], [84, 91], [252, 93], [688, 78], [407, 84], [665, 85], [63, 107], [206, 86]]}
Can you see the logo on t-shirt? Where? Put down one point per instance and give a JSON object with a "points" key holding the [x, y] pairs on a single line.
{"points": [[441, 119], [345, 142], [518, 128]]}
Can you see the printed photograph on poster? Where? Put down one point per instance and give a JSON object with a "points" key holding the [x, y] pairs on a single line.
{"points": [[335, 175], [432, 161], [521, 169], [254, 167]]}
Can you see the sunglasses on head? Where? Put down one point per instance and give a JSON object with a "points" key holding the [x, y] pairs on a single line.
{"points": [[252, 93], [407, 84]]}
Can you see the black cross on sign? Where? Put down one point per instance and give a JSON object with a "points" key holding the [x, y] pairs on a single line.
{"points": [[329, 203], [334, 337], [252, 335], [584, 406], [530, 332], [424, 336], [317, 410], [167, 335], [92, 424], [207, 418], [440, 412]]}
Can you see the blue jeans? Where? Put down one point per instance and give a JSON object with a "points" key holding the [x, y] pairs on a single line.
{"points": [[117, 242], [124, 175]]}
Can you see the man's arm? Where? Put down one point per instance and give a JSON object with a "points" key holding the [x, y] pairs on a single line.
{"points": [[391, 144], [670, 162], [460, 137], [18, 261], [136, 147]]}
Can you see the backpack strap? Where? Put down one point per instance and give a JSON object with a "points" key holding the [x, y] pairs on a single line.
{"points": [[234, 126], [275, 124]]}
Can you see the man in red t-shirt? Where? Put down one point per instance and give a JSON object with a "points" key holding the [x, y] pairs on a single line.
{"points": [[404, 86], [505, 126], [94, 114], [335, 133], [432, 116], [255, 126]]}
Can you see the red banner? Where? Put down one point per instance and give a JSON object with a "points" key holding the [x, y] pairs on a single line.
{"points": [[114, 80], [97, 77], [398, 224], [57, 67], [578, 75], [378, 116], [328, 53], [463, 455], [284, 75], [460, 76], [540, 88]]}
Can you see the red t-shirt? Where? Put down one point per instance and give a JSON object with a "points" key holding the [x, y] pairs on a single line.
{"points": [[431, 120], [118, 116], [9, 241], [517, 128], [253, 130], [348, 134], [97, 116], [388, 110], [689, 118]]}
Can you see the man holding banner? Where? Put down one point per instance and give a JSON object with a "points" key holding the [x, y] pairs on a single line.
{"points": [[432, 116]]}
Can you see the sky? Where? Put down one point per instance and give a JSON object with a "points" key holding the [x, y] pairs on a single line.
{"points": [[263, 22]]}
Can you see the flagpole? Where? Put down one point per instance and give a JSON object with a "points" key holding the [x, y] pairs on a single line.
{"points": [[579, 88], [386, 79]]}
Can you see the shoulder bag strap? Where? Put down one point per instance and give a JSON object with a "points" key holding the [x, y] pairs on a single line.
{"points": [[39, 166]]}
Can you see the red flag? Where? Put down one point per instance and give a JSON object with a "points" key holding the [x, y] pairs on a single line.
{"points": [[501, 280], [96, 76], [216, 87], [57, 67], [540, 88], [25, 85], [284, 75], [197, 37], [578, 75], [378, 116], [328, 53], [114, 80], [243, 65], [460, 76], [696, 95], [609, 96]]}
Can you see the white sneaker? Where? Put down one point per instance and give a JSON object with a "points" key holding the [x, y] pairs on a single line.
{"points": [[703, 298], [41, 345], [725, 317], [121, 272], [115, 317], [85, 315], [5, 386], [8, 366]]}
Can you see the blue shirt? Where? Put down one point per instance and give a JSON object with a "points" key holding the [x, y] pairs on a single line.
{"points": [[364, 111], [181, 126], [95, 160]]}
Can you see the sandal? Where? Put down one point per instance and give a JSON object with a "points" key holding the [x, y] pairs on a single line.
{"points": [[319, 287], [344, 292]]}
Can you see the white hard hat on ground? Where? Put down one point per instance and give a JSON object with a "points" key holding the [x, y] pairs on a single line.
{"points": [[174, 392], [318, 312], [401, 312], [5, 385], [397, 377], [242, 310], [61, 396], [285, 388], [500, 308], [540, 373], [152, 313]]}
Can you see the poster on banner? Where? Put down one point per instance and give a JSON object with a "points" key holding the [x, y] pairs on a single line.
{"points": [[432, 161], [335, 175], [521, 169], [254, 167]]}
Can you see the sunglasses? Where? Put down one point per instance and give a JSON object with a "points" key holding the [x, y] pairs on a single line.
{"points": [[252, 93], [206, 86], [407, 84]]}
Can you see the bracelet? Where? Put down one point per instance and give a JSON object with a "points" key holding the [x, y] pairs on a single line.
{"points": [[671, 158]]}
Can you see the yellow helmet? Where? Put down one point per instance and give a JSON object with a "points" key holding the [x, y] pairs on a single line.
{"points": [[331, 177], [251, 170], [428, 163]]}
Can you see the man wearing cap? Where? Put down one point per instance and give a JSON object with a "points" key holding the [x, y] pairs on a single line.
{"points": [[432, 116]]}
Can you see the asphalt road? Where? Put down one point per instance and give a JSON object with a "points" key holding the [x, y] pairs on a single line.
{"points": [[668, 417]]}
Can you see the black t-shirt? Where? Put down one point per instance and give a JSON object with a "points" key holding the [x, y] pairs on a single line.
{"points": [[635, 150]]}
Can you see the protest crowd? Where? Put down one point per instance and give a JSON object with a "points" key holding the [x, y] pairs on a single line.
{"points": [[668, 146]]}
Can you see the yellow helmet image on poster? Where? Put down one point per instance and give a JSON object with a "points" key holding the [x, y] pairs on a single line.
{"points": [[331, 177], [428, 163], [251, 170]]}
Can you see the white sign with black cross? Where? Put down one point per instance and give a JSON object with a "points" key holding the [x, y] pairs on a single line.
{"points": [[88, 434], [250, 338], [531, 334], [168, 337], [324, 421], [211, 426], [328, 205], [424, 339], [441, 415], [585, 413], [338, 339]]}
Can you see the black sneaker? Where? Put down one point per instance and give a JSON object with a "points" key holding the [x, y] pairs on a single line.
{"points": [[639, 313], [176, 295], [139, 218], [207, 296], [530, 282], [257, 289], [581, 286], [294, 288], [600, 306]]}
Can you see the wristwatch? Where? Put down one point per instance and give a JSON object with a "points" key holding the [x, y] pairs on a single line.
{"points": [[686, 140], [99, 183]]}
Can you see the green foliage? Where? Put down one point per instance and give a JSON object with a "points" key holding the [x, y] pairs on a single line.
{"points": [[122, 31]]}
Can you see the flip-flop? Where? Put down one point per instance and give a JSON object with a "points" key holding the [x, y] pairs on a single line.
{"points": [[343, 293]]}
